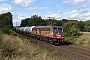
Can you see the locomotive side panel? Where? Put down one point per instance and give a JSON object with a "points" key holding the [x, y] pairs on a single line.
{"points": [[47, 33], [43, 31], [33, 31]]}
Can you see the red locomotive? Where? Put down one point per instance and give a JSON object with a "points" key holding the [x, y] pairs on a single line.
{"points": [[52, 34]]}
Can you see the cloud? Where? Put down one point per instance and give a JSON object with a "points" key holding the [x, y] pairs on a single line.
{"points": [[75, 3], [17, 18], [36, 8], [24, 2], [59, 11], [51, 14], [5, 8], [2, 0], [81, 14], [50, 2], [71, 15]]}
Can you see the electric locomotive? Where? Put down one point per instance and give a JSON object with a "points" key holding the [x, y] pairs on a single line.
{"points": [[52, 34]]}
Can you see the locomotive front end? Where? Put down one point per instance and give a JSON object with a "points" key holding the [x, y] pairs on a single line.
{"points": [[58, 34]]}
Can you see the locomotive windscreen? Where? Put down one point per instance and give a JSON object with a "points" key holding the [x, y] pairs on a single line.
{"points": [[60, 30], [57, 29]]}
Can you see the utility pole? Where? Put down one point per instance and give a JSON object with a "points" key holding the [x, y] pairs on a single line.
{"points": [[16, 23], [50, 17], [50, 20]]}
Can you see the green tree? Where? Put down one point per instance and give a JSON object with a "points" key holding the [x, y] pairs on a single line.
{"points": [[59, 23], [24, 23], [71, 28], [87, 26], [81, 25], [6, 20], [35, 20]]}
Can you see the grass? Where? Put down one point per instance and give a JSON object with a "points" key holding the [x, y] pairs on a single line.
{"points": [[82, 40], [15, 48], [1, 39]]}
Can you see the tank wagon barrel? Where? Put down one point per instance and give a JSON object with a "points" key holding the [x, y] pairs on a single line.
{"points": [[29, 29], [24, 29]]}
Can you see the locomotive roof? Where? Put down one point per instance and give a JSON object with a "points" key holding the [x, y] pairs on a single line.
{"points": [[47, 26]]}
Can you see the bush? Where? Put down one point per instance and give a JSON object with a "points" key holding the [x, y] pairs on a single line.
{"points": [[74, 32], [1, 40], [71, 28], [80, 42], [5, 30], [8, 31], [9, 49], [12, 32]]}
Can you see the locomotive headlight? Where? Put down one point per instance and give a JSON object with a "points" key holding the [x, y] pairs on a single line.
{"points": [[62, 37]]}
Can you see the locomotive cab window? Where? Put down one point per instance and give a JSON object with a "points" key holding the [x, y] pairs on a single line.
{"points": [[57, 29], [60, 30], [54, 29]]}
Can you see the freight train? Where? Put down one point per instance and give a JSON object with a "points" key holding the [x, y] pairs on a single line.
{"points": [[50, 34]]}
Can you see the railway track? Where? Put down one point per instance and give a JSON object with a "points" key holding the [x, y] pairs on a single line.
{"points": [[69, 51], [76, 53]]}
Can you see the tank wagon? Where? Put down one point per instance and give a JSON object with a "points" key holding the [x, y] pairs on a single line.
{"points": [[18, 29], [51, 34], [28, 30]]}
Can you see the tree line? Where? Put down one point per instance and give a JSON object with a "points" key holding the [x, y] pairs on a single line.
{"points": [[71, 27]]}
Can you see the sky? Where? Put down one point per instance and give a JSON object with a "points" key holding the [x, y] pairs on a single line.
{"points": [[58, 9]]}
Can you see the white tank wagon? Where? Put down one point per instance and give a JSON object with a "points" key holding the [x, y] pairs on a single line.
{"points": [[18, 29], [23, 29], [29, 29]]}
